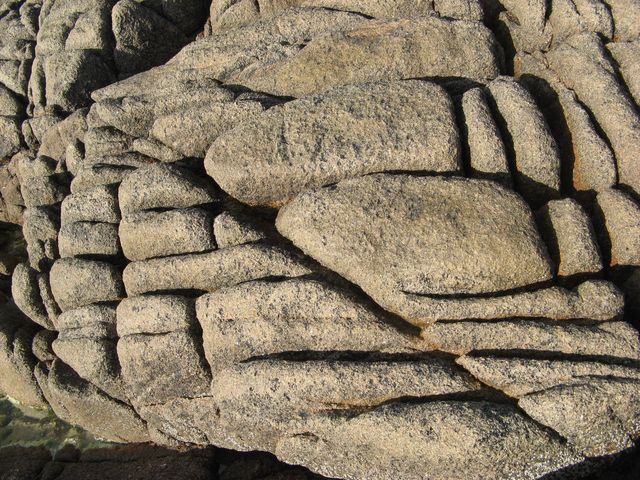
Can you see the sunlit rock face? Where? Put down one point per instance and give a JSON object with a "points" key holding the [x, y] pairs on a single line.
{"points": [[377, 239]]}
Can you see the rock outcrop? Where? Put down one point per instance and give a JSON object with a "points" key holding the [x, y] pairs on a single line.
{"points": [[377, 239]]}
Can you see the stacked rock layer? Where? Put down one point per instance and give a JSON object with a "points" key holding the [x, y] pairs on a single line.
{"points": [[378, 239]]}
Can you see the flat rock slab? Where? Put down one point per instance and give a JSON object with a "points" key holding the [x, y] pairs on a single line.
{"points": [[606, 339], [263, 318], [420, 235], [381, 51], [520, 376], [345, 132], [212, 270]]}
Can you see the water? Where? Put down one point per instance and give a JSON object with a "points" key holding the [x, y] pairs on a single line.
{"points": [[27, 427]]}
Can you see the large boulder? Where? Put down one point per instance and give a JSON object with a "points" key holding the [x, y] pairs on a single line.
{"points": [[429, 236]]}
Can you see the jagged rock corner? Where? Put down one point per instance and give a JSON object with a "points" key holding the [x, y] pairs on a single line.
{"points": [[377, 239]]}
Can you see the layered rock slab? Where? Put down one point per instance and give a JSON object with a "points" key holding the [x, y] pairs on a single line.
{"points": [[345, 132]]}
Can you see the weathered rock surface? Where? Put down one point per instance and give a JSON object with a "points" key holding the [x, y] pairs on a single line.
{"points": [[583, 66], [344, 132], [16, 360], [487, 153], [150, 234], [163, 186], [529, 143], [212, 270], [226, 15], [521, 376], [597, 416], [413, 322], [588, 162], [442, 437]]}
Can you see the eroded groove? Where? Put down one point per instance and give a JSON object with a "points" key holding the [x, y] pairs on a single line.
{"points": [[354, 356]]}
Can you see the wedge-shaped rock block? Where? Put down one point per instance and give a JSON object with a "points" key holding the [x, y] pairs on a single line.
{"points": [[520, 376], [443, 438], [232, 229], [569, 235], [487, 153], [281, 392], [530, 145], [96, 321], [607, 339], [158, 234], [136, 114], [381, 51], [80, 403], [93, 359], [212, 270], [619, 222], [345, 132], [601, 416], [25, 292], [76, 282], [164, 186], [16, 360], [263, 318], [426, 235], [90, 177]]}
